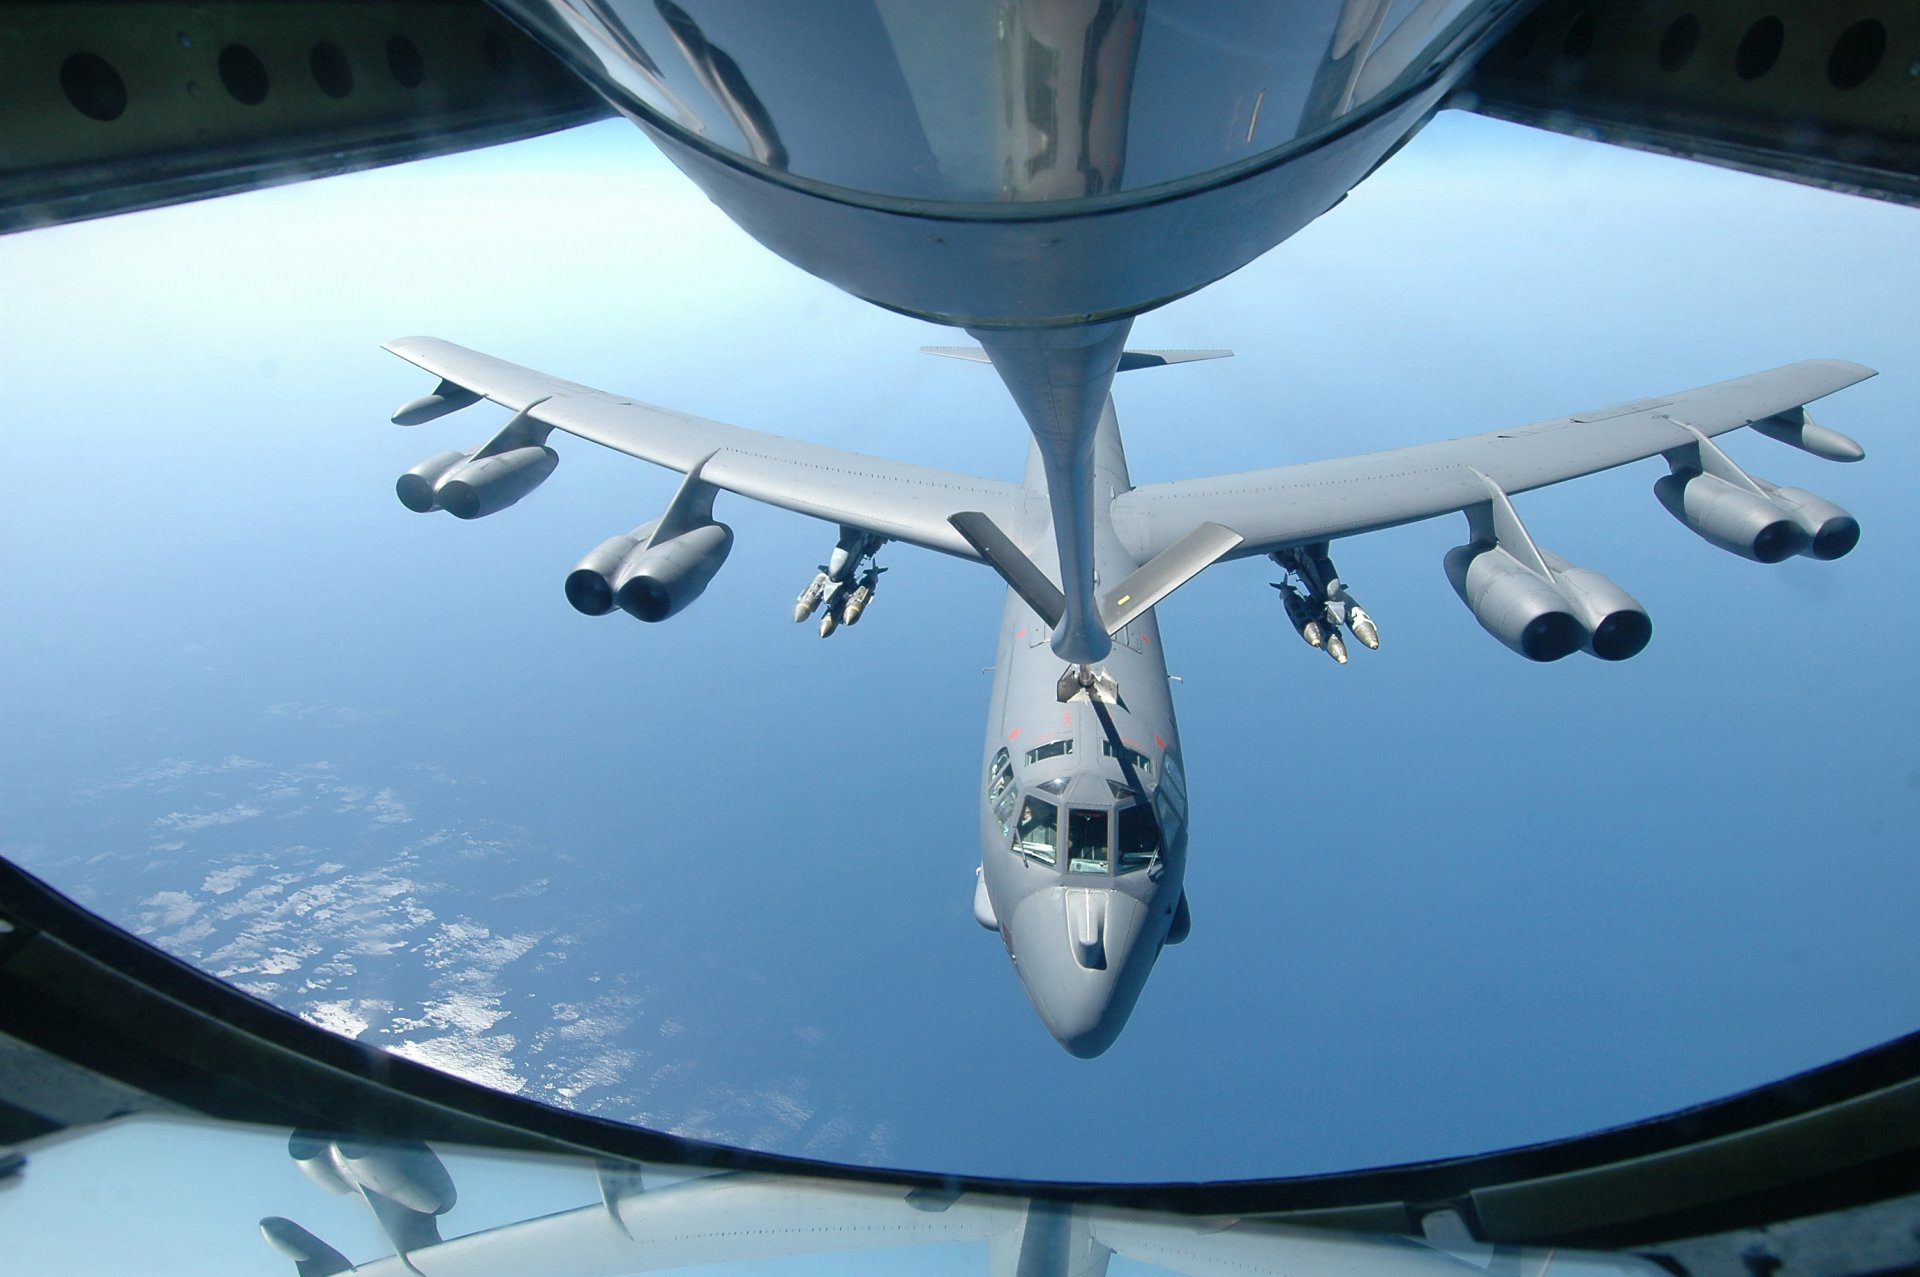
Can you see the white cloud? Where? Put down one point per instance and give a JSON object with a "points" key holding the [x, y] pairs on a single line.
{"points": [[185, 822]]}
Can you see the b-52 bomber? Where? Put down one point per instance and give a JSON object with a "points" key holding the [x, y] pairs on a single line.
{"points": [[1082, 795]]}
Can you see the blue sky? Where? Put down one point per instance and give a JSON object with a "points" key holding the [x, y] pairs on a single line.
{"points": [[1443, 900]]}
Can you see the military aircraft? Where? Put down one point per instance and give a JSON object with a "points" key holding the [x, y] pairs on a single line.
{"points": [[1038, 173], [1082, 794]]}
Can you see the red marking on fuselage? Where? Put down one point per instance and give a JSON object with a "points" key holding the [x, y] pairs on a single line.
{"points": [[1015, 732], [1160, 744]]}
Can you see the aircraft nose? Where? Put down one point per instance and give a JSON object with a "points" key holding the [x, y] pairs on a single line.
{"points": [[1082, 962]]}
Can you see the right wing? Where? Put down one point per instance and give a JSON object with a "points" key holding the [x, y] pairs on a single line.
{"points": [[1290, 506], [894, 499]]}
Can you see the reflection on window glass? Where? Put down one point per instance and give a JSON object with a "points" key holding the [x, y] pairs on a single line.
{"points": [[1039, 831], [1141, 763], [1052, 749], [1170, 805], [1139, 837], [1000, 790], [1087, 842]]}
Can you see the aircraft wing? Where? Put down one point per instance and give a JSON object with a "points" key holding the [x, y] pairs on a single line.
{"points": [[1297, 505], [895, 499]]}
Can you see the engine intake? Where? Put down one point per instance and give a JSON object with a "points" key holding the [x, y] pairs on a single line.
{"points": [[1617, 626], [405, 1170], [1831, 531], [668, 575], [649, 579], [591, 584], [1513, 604], [470, 489], [1733, 518]]}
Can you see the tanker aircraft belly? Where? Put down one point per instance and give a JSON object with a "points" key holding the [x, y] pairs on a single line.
{"points": [[1082, 791]]}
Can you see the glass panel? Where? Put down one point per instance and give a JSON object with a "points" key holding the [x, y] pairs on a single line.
{"points": [[1052, 749], [1141, 763], [1039, 831], [1170, 804], [1139, 837], [1087, 841]]}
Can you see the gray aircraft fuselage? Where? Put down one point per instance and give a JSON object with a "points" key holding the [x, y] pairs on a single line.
{"points": [[1078, 870]]}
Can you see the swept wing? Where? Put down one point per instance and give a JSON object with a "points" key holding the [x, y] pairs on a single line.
{"points": [[894, 499], [1297, 505]]}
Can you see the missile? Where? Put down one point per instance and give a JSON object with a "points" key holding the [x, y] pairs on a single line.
{"points": [[809, 598], [830, 618], [1300, 613], [1336, 647], [1363, 627], [857, 602]]}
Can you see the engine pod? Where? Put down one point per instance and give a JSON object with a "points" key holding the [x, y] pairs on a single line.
{"points": [[416, 488], [1831, 531], [590, 586], [1617, 626], [491, 484], [1731, 517], [663, 578], [1515, 605]]}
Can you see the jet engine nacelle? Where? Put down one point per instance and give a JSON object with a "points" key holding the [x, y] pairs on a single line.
{"points": [[1831, 531], [1617, 626], [416, 487], [470, 489], [491, 484], [593, 581], [666, 576], [652, 582], [1514, 604], [1729, 516], [407, 1172], [313, 1154]]}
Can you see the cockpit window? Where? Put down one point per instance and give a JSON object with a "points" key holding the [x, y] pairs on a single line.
{"points": [[1052, 749], [1000, 792], [1039, 831], [1086, 841], [1139, 840], [1170, 805], [1141, 763]]}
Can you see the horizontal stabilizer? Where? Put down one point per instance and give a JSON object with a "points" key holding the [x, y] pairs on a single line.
{"points": [[1166, 572], [1129, 360], [1014, 567]]}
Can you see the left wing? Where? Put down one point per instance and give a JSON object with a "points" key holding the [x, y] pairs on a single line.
{"points": [[1298, 505], [893, 499]]}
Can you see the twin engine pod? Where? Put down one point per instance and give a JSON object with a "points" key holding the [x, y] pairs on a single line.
{"points": [[469, 487], [647, 576], [1764, 523], [1547, 617], [404, 1171]]}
